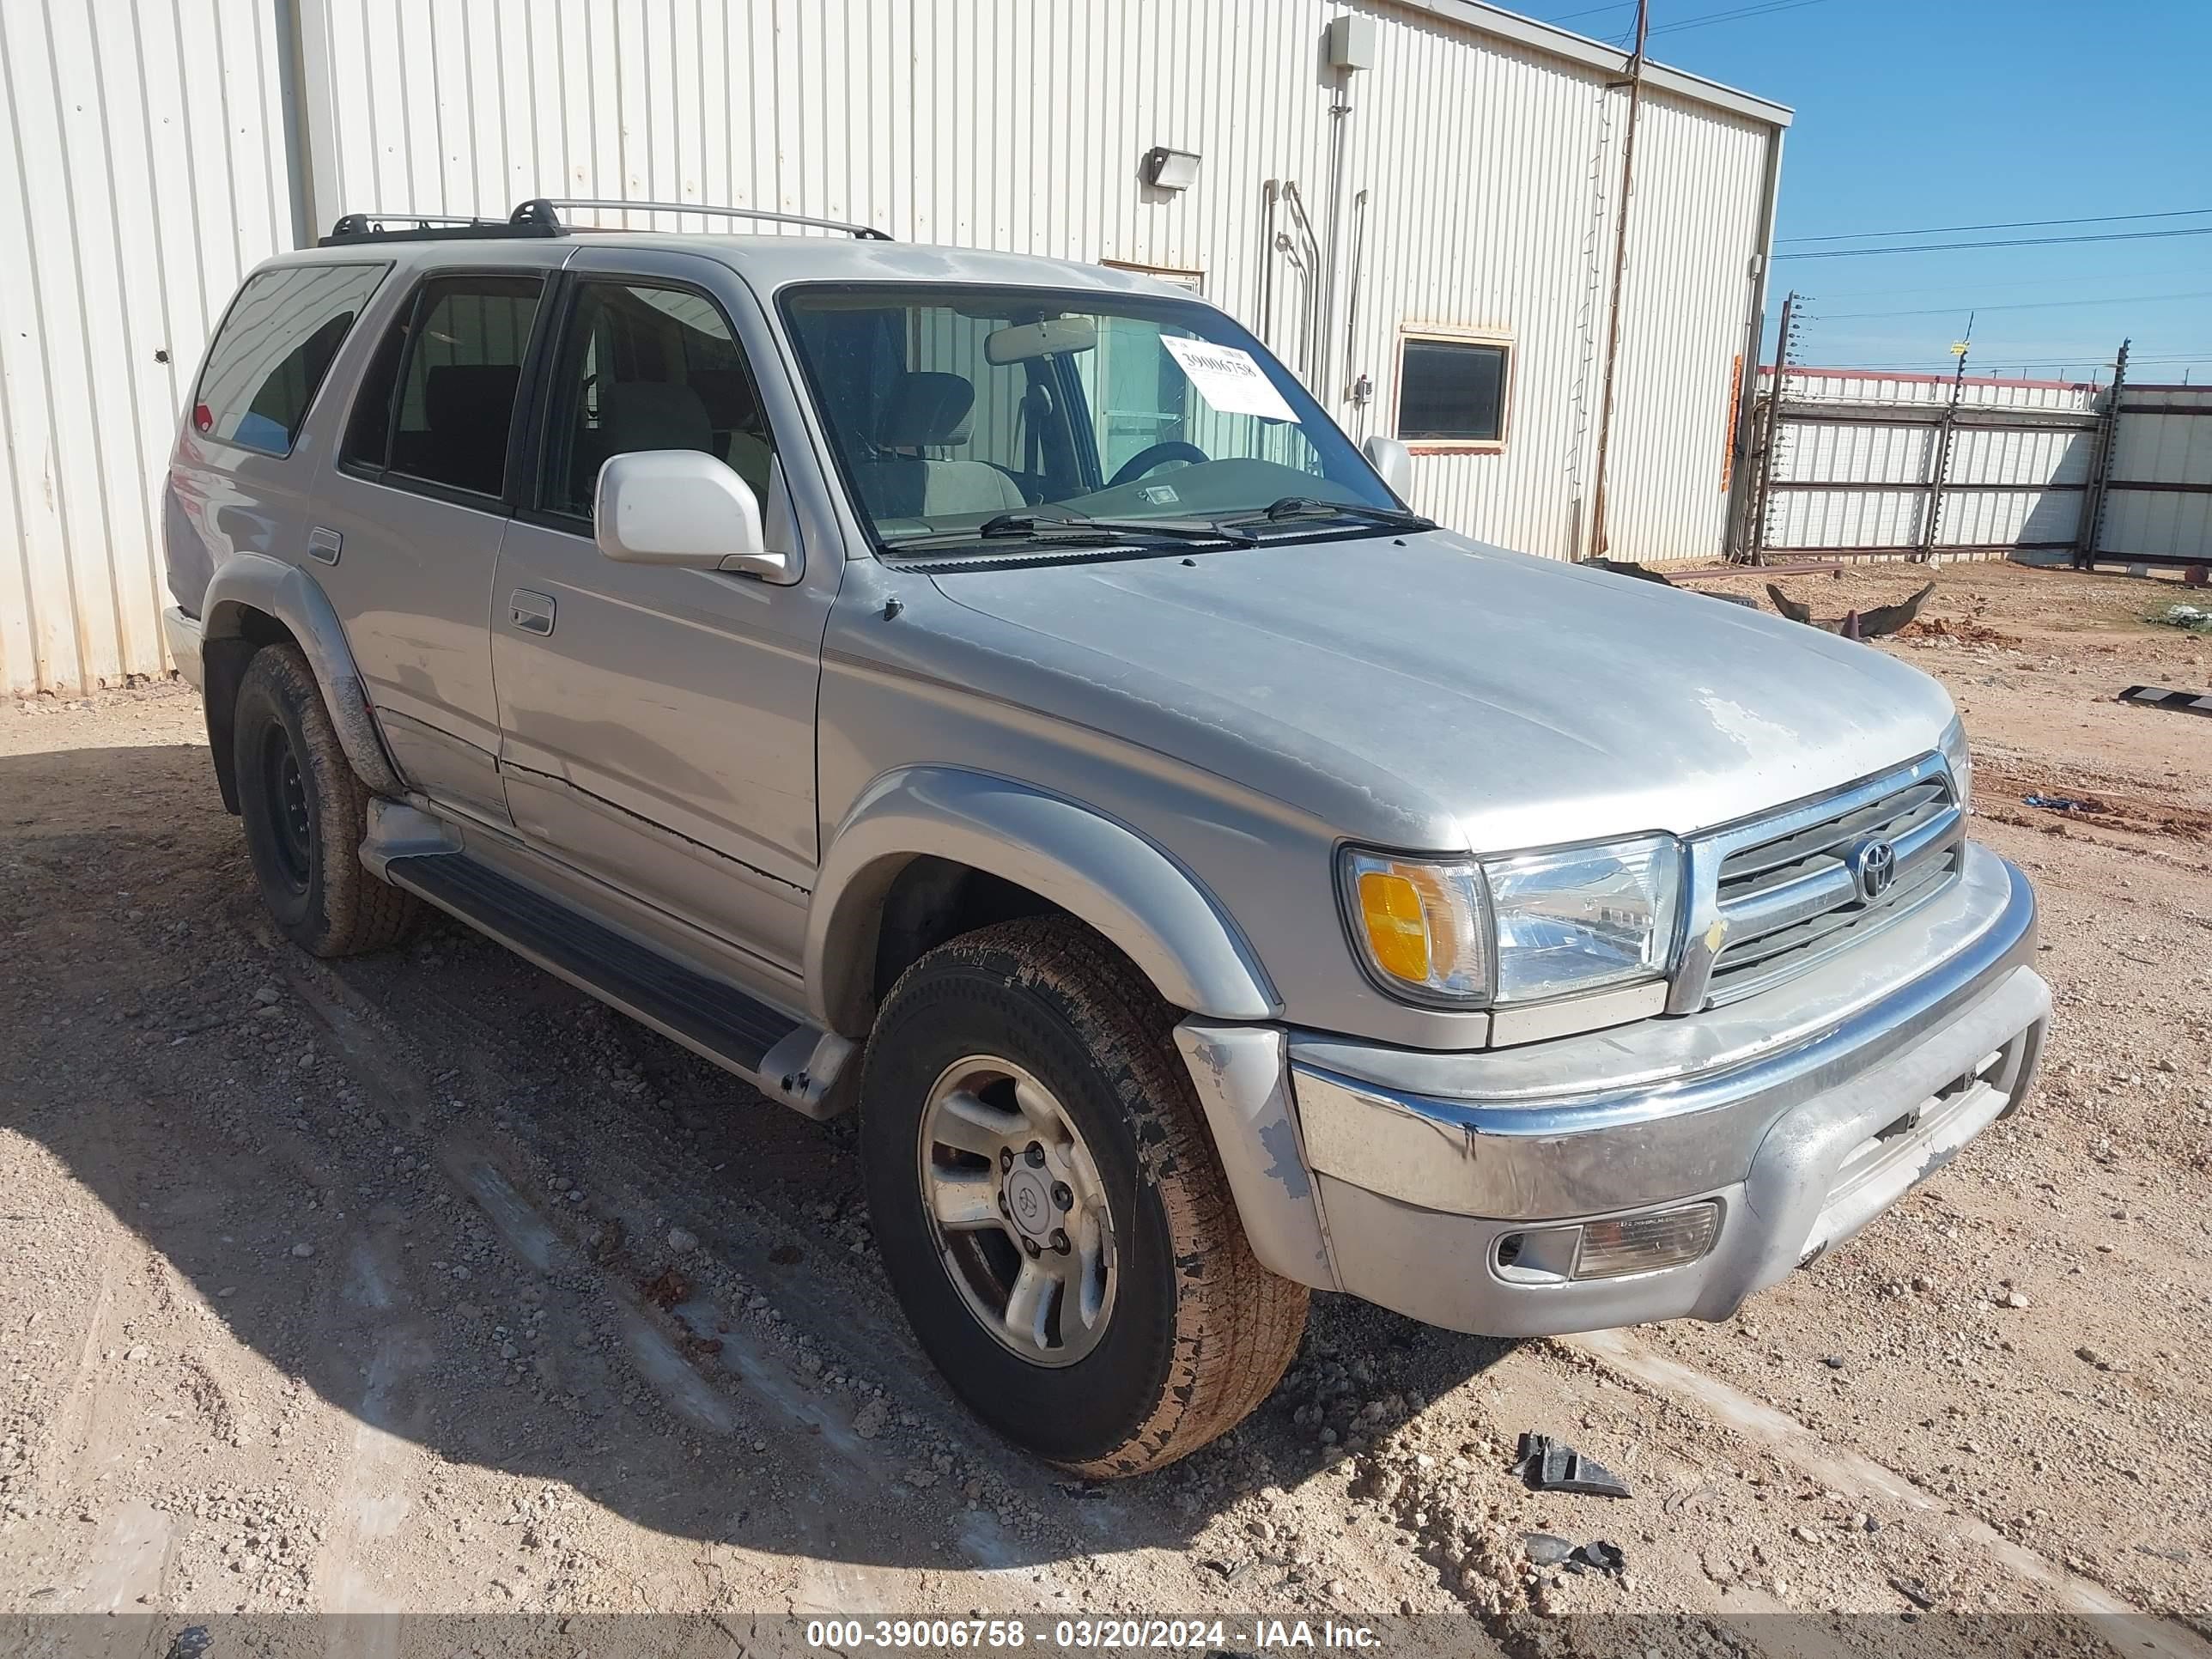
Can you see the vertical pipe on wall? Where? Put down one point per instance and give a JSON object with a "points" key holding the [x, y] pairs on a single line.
{"points": [[1597, 540], [1736, 538]]}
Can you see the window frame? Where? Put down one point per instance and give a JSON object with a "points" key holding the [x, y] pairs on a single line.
{"points": [[1451, 334], [382, 267], [519, 435], [542, 387]]}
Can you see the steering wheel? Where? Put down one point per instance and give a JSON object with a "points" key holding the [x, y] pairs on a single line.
{"points": [[1150, 456]]}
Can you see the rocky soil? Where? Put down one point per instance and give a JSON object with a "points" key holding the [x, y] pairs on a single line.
{"points": [[421, 1283]]}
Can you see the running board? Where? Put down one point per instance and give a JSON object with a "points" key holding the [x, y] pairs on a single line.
{"points": [[786, 1060]]}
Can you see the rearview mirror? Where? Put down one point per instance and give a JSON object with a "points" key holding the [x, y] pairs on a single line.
{"points": [[683, 507], [1022, 341], [1393, 461]]}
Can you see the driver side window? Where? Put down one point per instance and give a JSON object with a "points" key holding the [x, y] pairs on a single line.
{"points": [[647, 366]]}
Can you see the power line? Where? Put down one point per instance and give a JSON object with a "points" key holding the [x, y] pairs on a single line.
{"points": [[1705, 18], [1979, 285], [2020, 304], [2009, 224], [2008, 242]]}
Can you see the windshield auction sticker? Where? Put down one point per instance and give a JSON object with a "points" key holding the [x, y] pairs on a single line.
{"points": [[1229, 379]]}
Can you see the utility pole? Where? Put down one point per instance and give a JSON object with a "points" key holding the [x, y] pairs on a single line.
{"points": [[1598, 539], [1945, 435]]}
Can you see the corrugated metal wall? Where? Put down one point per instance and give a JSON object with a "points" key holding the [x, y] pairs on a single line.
{"points": [[2159, 501], [1491, 164], [1846, 485], [149, 173]]}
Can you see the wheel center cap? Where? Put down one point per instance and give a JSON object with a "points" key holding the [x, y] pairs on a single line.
{"points": [[1029, 1197]]}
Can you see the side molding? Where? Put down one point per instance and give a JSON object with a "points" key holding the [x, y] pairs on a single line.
{"points": [[255, 581], [1092, 867]]}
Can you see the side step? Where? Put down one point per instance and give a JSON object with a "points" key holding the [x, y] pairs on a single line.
{"points": [[707, 1015]]}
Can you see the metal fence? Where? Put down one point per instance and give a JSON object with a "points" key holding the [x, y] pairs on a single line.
{"points": [[1858, 464]]}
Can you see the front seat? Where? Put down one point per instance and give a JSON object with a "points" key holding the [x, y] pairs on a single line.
{"points": [[930, 411]]}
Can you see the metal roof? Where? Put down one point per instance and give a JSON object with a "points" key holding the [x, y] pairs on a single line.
{"points": [[1504, 25]]}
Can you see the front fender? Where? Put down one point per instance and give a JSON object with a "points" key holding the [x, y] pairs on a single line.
{"points": [[247, 582], [1094, 868]]}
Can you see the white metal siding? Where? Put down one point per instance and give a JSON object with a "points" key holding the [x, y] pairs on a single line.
{"points": [[1490, 151], [148, 173], [2165, 436]]}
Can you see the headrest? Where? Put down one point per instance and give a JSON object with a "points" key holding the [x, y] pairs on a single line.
{"points": [[460, 397], [728, 395], [927, 408], [653, 414]]}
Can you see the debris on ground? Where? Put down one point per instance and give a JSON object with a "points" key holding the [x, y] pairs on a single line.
{"points": [[1549, 1465], [1872, 623], [2160, 696], [2197, 619], [1544, 1549], [2058, 803], [1599, 1555]]}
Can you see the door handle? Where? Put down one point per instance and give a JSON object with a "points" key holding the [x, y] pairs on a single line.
{"points": [[529, 611], [324, 544]]}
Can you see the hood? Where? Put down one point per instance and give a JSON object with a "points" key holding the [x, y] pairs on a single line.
{"points": [[1432, 693]]}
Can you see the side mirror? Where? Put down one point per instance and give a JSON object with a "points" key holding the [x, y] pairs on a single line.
{"points": [[1393, 461], [683, 507]]}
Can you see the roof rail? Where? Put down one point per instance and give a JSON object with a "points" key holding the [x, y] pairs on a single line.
{"points": [[439, 226], [547, 206]]}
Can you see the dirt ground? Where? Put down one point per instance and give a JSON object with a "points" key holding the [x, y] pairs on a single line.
{"points": [[423, 1283]]}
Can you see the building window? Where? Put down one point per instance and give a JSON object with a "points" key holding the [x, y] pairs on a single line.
{"points": [[1452, 390]]}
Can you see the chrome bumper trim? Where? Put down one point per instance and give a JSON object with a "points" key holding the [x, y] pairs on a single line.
{"points": [[1650, 1136]]}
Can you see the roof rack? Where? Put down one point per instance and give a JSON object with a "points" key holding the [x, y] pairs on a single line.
{"points": [[541, 216], [548, 204]]}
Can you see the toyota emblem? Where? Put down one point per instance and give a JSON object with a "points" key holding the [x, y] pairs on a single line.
{"points": [[1873, 864]]}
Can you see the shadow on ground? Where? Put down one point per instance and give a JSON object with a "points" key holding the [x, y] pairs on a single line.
{"points": [[437, 1187]]}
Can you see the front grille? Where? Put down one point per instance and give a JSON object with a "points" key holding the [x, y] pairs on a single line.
{"points": [[1791, 899]]}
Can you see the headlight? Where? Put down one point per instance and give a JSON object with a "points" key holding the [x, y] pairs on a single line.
{"points": [[1961, 763], [1468, 934]]}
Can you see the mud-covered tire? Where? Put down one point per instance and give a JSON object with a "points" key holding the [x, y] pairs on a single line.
{"points": [[1197, 1333], [305, 810]]}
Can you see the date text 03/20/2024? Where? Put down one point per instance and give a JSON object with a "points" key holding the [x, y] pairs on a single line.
{"points": [[1012, 1635]]}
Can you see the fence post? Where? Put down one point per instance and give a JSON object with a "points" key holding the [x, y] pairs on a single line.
{"points": [[1756, 543], [2086, 533]]}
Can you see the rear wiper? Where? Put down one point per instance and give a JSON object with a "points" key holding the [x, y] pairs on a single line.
{"points": [[1071, 531], [1308, 507]]}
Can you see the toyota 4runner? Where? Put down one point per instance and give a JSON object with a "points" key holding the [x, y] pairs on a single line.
{"points": [[990, 693]]}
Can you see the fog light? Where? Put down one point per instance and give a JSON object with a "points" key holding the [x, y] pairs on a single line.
{"points": [[1642, 1243]]}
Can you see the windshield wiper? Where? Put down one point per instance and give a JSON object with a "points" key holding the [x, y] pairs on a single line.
{"points": [[1309, 507], [1072, 532]]}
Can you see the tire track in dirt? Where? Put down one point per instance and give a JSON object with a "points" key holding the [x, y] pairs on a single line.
{"points": [[2129, 1631]]}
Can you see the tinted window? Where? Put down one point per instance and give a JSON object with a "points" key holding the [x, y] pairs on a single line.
{"points": [[648, 367], [438, 402], [1452, 389], [273, 350]]}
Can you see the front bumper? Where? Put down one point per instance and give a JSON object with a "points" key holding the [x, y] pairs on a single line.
{"points": [[1451, 1187]]}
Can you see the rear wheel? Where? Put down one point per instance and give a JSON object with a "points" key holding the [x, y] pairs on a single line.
{"points": [[306, 811], [1051, 1211]]}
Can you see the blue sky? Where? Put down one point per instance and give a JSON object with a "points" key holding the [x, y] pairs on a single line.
{"points": [[1923, 114]]}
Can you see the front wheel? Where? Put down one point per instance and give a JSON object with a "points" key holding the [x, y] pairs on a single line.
{"points": [[1051, 1212]]}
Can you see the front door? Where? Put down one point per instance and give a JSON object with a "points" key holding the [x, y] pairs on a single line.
{"points": [[406, 529], [658, 723]]}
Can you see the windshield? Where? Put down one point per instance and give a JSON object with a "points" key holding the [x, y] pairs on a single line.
{"points": [[961, 414]]}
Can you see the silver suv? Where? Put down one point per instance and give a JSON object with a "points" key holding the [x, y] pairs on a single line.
{"points": [[990, 693]]}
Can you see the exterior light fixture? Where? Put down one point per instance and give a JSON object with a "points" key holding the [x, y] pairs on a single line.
{"points": [[1171, 169]]}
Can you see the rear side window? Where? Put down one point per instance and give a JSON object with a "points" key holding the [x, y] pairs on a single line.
{"points": [[438, 401], [273, 350]]}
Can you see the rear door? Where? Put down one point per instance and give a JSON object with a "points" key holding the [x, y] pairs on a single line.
{"points": [[407, 526], [658, 723]]}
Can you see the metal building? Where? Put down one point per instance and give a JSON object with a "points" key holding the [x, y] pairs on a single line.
{"points": [[1417, 203]]}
